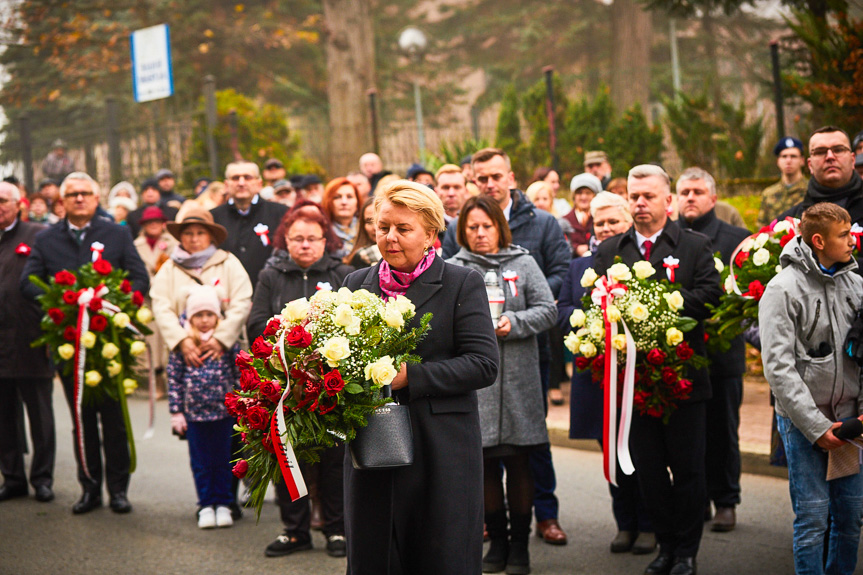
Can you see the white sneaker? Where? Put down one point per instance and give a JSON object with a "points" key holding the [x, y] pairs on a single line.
{"points": [[206, 518], [223, 516]]}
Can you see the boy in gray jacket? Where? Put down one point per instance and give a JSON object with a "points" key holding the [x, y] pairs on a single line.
{"points": [[805, 315]]}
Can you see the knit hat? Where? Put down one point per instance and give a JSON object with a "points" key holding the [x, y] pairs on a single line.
{"points": [[586, 180], [202, 298]]}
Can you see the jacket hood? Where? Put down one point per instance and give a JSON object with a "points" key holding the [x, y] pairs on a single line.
{"points": [[798, 253], [491, 260]]}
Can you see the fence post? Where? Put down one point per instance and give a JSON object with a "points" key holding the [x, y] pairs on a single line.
{"points": [[777, 90], [210, 98], [114, 158], [474, 122], [373, 111], [26, 151], [549, 111]]}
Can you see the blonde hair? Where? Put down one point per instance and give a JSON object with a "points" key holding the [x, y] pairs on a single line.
{"points": [[533, 190], [604, 200], [415, 197], [448, 169]]}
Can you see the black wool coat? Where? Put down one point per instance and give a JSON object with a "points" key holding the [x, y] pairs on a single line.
{"points": [[697, 276], [427, 518]]}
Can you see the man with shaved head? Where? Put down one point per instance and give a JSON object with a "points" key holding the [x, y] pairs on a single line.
{"points": [[372, 167]]}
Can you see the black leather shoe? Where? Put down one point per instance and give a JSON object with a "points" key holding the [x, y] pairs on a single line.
{"points": [[683, 566], [119, 503], [7, 492], [661, 565], [44, 493], [88, 502]]}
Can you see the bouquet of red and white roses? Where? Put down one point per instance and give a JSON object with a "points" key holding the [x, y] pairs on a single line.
{"points": [[94, 326], [314, 377]]}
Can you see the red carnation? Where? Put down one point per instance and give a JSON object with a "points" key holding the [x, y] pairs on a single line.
{"points": [[313, 387], [70, 297], [333, 382], [298, 337], [22, 249], [231, 403], [249, 380], [98, 323], [257, 418], [261, 348], [125, 286], [684, 352], [240, 469], [783, 241], [656, 356], [741, 258], [669, 376], [137, 298], [102, 266], [756, 290], [272, 327], [56, 315], [69, 333], [65, 278], [243, 360], [271, 390], [581, 363], [96, 304]]}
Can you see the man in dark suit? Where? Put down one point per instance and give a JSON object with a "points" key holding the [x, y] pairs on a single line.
{"points": [[25, 372], [68, 244], [677, 507], [696, 198]]}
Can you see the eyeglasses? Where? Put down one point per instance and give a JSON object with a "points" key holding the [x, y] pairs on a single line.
{"points": [[494, 177], [238, 177], [77, 194], [302, 240], [822, 152]]}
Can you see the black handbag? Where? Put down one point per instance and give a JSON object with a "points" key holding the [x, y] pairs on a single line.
{"points": [[387, 440]]}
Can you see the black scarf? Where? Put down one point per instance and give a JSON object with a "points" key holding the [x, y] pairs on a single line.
{"points": [[840, 196]]}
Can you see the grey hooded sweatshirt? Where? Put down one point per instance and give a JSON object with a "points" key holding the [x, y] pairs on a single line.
{"points": [[804, 317]]}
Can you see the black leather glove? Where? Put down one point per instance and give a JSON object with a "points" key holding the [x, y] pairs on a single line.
{"points": [[853, 340]]}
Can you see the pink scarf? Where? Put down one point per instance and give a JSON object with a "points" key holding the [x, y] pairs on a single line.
{"points": [[395, 283]]}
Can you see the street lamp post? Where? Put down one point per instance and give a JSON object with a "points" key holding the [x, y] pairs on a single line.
{"points": [[413, 42]]}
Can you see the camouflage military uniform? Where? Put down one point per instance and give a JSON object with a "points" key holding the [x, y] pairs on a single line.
{"points": [[778, 198]]}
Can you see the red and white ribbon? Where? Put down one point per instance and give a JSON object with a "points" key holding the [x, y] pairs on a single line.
{"points": [[857, 231], [262, 230], [325, 286], [510, 277], [670, 263], [284, 451], [97, 248]]}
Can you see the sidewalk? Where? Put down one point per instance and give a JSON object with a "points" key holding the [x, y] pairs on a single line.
{"points": [[755, 418]]}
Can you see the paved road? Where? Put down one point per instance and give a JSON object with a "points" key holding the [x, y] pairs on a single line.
{"points": [[160, 536]]}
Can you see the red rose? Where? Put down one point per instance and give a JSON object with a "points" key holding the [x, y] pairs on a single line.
{"points": [[96, 304], [783, 241], [243, 360], [272, 327], [656, 356], [65, 278], [137, 298], [267, 443], [69, 333], [756, 290], [240, 469], [231, 403], [102, 266], [56, 315], [271, 390], [98, 323], [333, 382], [669, 376], [249, 380], [258, 418], [682, 388], [125, 286], [244, 404], [599, 362], [741, 258], [262, 348], [70, 297], [683, 351], [22, 250], [640, 398], [654, 411], [298, 337], [581, 363]]}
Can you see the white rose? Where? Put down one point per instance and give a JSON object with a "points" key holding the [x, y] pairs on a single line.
{"points": [[673, 336], [92, 378], [137, 348], [336, 349], [354, 327], [66, 351], [404, 305], [381, 372], [343, 315], [121, 320], [587, 349], [760, 240], [588, 278], [88, 340], [344, 296], [643, 269], [582, 332], [612, 312], [129, 385], [296, 311], [362, 297], [781, 227], [144, 315], [746, 245], [597, 330], [674, 300], [761, 257], [577, 318], [778, 268], [618, 342], [571, 342], [324, 296], [719, 265], [729, 284], [392, 317], [638, 311], [110, 351], [114, 367], [619, 272]]}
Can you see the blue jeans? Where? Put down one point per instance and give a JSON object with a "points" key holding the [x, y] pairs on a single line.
{"points": [[816, 502], [210, 456]]}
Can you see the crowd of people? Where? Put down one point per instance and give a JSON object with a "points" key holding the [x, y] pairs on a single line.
{"points": [[500, 269]]}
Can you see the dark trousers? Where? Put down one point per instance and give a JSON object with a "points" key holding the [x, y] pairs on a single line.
{"points": [[557, 368], [627, 505], [210, 457], [723, 443], [36, 395], [297, 515], [113, 443], [675, 507], [545, 504]]}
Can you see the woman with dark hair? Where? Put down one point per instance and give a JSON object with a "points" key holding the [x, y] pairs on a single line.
{"points": [[366, 252], [511, 411], [299, 267], [547, 175], [341, 202]]}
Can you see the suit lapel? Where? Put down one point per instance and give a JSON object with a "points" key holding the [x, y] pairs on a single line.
{"points": [[427, 285], [665, 246], [372, 281]]}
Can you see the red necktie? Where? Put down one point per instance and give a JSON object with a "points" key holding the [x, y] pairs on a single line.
{"points": [[647, 245]]}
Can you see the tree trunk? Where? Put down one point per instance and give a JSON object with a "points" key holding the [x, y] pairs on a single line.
{"points": [[712, 82], [350, 74], [631, 37]]}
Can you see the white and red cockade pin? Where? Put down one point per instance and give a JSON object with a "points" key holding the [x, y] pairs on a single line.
{"points": [[670, 263], [509, 277], [23, 250], [324, 286], [262, 230], [97, 248]]}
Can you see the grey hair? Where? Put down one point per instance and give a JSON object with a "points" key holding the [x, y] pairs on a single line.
{"points": [[604, 200], [13, 190], [80, 177], [647, 171], [256, 170], [696, 173]]}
